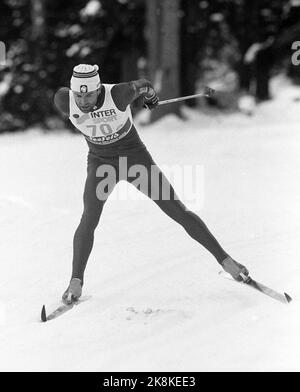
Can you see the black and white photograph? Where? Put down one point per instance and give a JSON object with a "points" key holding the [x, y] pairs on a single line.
{"points": [[150, 194]]}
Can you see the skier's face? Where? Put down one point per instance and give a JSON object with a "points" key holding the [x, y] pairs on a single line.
{"points": [[86, 101]]}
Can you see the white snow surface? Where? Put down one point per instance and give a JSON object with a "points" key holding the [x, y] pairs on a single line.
{"points": [[156, 300]]}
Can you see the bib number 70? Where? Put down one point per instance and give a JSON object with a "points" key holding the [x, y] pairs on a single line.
{"points": [[105, 129]]}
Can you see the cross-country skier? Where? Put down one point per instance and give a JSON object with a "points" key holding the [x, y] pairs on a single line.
{"points": [[101, 112]]}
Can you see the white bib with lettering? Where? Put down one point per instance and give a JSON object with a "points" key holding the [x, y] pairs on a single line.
{"points": [[105, 125]]}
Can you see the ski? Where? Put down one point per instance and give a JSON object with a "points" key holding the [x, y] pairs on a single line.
{"points": [[283, 298], [60, 310]]}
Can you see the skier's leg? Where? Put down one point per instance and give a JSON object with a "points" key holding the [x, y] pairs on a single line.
{"points": [[93, 206], [191, 222], [175, 209]]}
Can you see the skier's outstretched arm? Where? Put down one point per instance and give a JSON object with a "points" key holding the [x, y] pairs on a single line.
{"points": [[125, 93]]}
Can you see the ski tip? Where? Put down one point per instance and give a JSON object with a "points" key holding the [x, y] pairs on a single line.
{"points": [[288, 298], [43, 314]]}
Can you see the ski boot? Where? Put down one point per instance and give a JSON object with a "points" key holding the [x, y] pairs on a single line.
{"points": [[236, 270], [73, 292]]}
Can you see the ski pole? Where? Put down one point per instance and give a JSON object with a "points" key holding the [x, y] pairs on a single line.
{"points": [[207, 92]]}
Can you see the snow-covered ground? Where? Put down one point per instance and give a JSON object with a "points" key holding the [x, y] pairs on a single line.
{"points": [[157, 302]]}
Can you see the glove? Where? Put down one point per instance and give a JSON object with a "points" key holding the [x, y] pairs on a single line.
{"points": [[151, 102], [73, 292]]}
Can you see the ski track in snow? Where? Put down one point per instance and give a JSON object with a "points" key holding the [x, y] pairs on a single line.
{"points": [[157, 303]]}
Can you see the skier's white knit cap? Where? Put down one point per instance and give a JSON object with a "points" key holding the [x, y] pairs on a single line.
{"points": [[85, 78]]}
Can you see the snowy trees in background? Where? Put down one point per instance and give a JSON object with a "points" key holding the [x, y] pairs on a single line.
{"points": [[45, 39], [234, 45]]}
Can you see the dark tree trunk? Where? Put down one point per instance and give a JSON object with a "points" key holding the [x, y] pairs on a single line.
{"points": [[37, 54], [163, 52], [189, 50]]}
